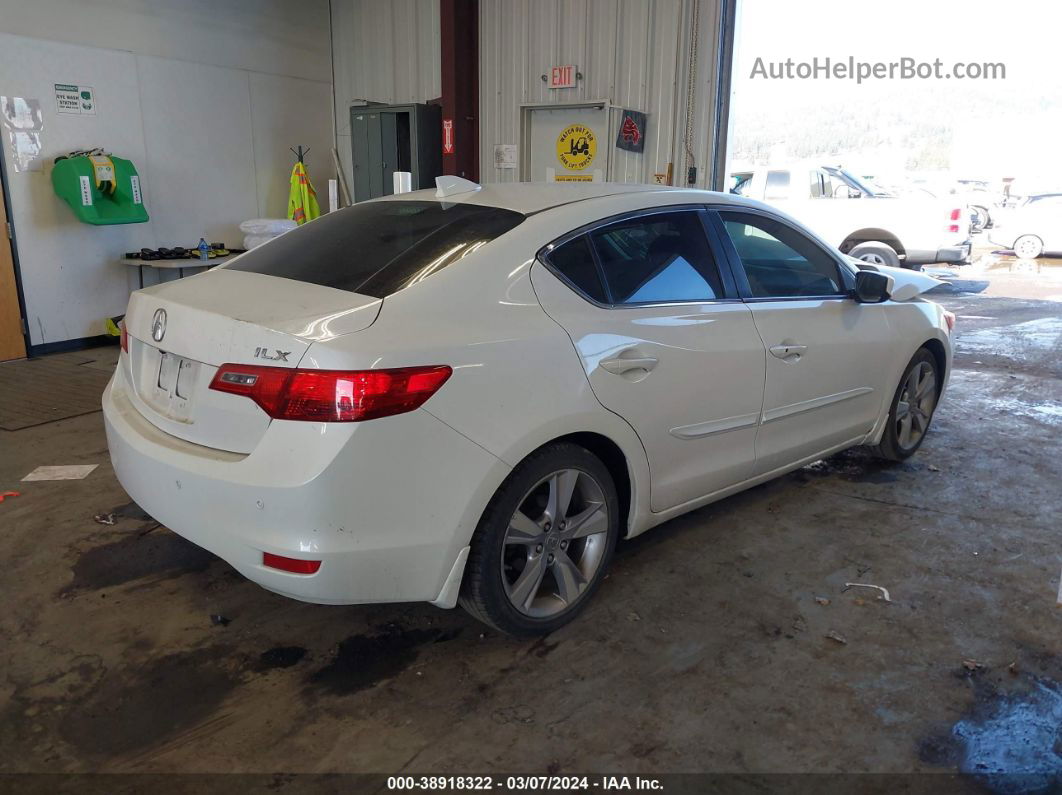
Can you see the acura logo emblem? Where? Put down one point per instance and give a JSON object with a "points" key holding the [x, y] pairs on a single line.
{"points": [[158, 325]]}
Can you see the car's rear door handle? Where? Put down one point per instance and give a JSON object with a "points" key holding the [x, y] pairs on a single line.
{"points": [[621, 365], [788, 352]]}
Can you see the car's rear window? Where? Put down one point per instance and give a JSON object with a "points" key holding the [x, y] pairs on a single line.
{"points": [[378, 248]]}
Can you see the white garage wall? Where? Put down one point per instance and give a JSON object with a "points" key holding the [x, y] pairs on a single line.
{"points": [[68, 278], [271, 36], [209, 139], [189, 156]]}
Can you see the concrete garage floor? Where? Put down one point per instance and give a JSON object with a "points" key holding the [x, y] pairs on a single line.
{"points": [[706, 649]]}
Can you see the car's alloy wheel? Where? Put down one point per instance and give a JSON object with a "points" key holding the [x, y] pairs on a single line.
{"points": [[555, 543], [912, 408], [918, 396], [544, 542], [1028, 247]]}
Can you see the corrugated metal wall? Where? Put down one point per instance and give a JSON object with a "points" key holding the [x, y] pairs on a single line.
{"points": [[382, 51], [632, 53]]}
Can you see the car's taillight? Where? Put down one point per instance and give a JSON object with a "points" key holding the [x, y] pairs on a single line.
{"points": [[949, 320], [331, 395], [294, 565], [956, 214], [125, 338]]}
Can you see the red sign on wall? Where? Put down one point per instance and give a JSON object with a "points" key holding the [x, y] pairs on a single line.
{"points": [[448, 136], [562, 77]]}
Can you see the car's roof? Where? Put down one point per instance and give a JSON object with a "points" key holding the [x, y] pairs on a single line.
{"points": [[533, 197]]}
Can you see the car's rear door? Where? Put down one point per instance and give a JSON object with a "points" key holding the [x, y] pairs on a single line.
{"points": [[826, 353], [666, 343]]}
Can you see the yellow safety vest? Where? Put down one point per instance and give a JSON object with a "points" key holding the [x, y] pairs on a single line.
{"points": [[302, 201]]}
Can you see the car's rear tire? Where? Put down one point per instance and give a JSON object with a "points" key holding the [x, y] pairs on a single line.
{"points": [[1028, 247], [876, 254], [534, 562], [981, 220], [912, 408]]}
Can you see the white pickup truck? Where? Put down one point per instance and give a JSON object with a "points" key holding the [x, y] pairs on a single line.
{"points": [[883, 230]]}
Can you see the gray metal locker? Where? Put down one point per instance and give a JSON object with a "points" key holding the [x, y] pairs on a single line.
{"points": [[390, 138]]}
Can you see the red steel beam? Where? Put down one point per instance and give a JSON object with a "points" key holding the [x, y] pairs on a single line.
{"points": [[459, 34]]}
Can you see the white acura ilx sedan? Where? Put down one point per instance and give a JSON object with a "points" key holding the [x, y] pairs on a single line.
{"points": [[468, 395]]}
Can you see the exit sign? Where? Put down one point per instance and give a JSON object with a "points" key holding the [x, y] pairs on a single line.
{"points": [[562, 77]]}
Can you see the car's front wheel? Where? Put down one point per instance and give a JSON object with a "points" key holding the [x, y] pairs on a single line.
{"points": [[912, 408], [544, 542]]}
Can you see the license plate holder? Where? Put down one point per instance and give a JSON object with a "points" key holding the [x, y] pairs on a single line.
{"points": [[168, 367], [174, 386]]}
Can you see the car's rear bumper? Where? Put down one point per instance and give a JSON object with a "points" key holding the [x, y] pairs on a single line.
{"points": [[387, 506], [957, 254]]}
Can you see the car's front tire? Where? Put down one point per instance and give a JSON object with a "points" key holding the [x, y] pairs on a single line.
{"points": [[912, 408], [544, 542]]}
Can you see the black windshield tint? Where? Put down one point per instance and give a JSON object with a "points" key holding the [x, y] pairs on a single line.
{"points": [[378, 248]]}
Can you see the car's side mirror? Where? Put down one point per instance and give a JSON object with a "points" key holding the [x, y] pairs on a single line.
{"points": [[872, 287]]}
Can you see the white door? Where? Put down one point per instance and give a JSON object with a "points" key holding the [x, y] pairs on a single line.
{"points": [[569, 144], [665, 344], [827, 354], [808, 194]]}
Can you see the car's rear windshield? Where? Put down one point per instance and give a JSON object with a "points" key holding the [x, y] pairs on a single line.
{"points": [[378, 248]]}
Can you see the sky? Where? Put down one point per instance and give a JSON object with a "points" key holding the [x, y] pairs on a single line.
{"points": [[1007, 127]]}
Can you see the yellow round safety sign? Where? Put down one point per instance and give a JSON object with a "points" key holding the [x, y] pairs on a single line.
{"points": [[576, 147]]}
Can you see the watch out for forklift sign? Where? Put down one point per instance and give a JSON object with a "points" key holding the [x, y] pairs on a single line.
{"points": [[576, 147]]}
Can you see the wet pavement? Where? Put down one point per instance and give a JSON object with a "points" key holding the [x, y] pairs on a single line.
{"points": [[997, 273], [709, 647]]}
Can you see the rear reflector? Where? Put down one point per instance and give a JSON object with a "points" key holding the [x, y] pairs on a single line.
{"points": [[125, 338], [331, 395], [293, 565], [949, 320]]}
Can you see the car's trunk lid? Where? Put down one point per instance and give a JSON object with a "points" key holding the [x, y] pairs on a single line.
{"points": [[182, 331]]}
